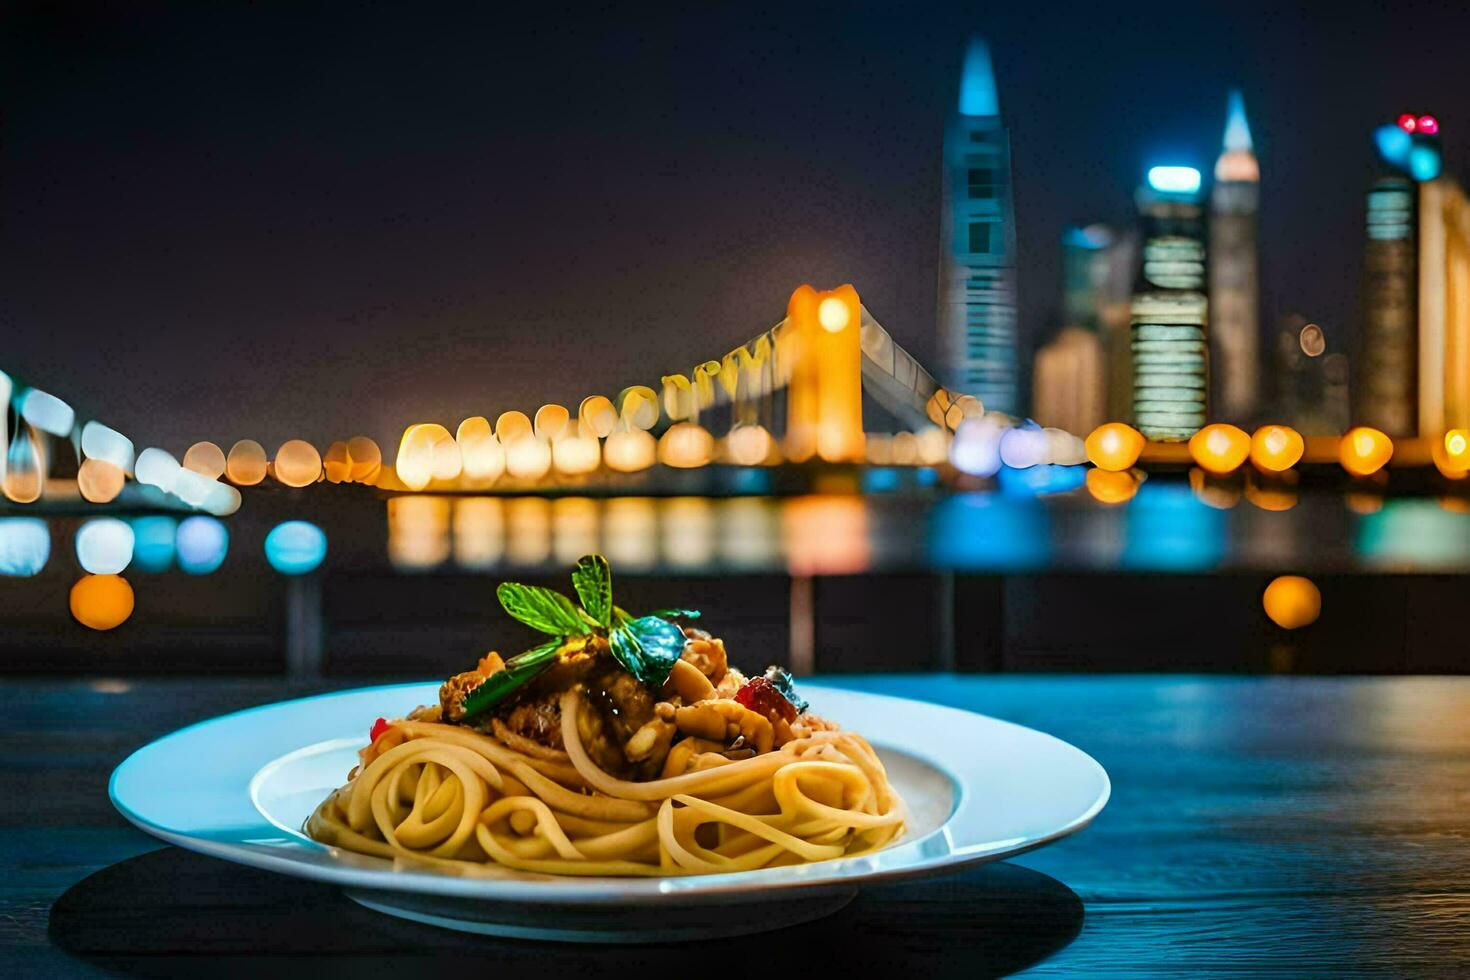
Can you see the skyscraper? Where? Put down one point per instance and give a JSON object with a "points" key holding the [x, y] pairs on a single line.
{"points": [[1235, 273], [1070, 378], [1387, 390], [1170, 310], [1415, 343], [977, 275]]}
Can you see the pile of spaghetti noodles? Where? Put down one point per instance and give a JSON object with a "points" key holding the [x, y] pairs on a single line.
{"points": [[446, 792]]}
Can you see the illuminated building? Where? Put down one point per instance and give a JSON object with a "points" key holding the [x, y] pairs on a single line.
{"points": [[1444, 307], [1071, 382], [1415, 359], [1170, 310], [1234, 278], [1069, 375], [977, 275], [1386, 395]]}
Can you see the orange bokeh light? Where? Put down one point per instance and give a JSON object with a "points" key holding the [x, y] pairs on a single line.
{"points": [[1114, 446], [1364, 451], [1220, 448], [1276, 448]]}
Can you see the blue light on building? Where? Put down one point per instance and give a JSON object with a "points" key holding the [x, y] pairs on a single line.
{"points": [[295, 547], [1174, 180]]}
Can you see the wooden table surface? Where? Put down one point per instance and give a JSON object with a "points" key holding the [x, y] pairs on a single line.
{"points": [[1292, 826]]}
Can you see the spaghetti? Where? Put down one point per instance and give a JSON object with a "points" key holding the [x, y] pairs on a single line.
{"points": [[444, 792], [621, 746]]}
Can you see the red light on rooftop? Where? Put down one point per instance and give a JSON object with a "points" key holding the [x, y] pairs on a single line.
{"points": [[1408, 123], [1428, 124]]}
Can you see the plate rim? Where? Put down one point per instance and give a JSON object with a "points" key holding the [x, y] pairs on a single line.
{"points": [[584, 891]]}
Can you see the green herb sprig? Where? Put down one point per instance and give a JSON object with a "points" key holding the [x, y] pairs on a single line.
{"points": [[645, 646]]}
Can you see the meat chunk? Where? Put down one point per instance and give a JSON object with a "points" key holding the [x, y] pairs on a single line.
{"points": [[705, 652]]}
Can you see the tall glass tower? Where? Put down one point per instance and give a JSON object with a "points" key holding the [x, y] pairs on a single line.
{"points": [[1235, 328], [977, 272], [1171, 366]]}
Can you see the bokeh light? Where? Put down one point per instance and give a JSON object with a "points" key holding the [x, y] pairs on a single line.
{"points": [[575, 529], [1220, 448], [963, 407], [1063, 448], [427, 452], [551, 422], [630, 451], [157, 468], [201, 544], [528, 528], [1451, 454], [511, 426], [481, 454], [575, 455], [527, 458], [153, 543], [47, 413], [1292, 602], [205, 458], [101, 602], [192, 488], [366, 458], [336, 464], [749, 445], [25, 468], [596, 416], [479, 532], [99, 480], [220, 499], [638, 407], [686, 445], [1114, 446], [1023, 446], [976, 446], [1276, 448], [25, 546], [1364, 451], [297, 463], [246, 463], [295, 547], [104, 545], [108, 445], [1112, 486], [418, 532]]}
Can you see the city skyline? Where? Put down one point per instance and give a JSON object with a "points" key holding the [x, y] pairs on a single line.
{"points": [[234, 292]]}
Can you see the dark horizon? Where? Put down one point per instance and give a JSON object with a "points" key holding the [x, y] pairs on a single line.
{"points": [[255, 222]]}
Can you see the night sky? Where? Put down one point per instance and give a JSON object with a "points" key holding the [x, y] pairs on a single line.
{"points": [[253, 221]]}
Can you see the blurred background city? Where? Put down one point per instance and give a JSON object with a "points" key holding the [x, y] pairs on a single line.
{"points": [[1140, 343]]}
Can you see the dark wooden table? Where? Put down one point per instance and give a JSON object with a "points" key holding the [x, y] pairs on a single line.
{"points": [[1295, 826]]}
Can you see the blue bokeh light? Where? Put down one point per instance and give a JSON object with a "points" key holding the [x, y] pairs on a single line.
{"points": [[201, 544], [1424, 162], [153, 543], [295, 547], [1169, 529], [1393, 144], [25, 546], [989, 531]]}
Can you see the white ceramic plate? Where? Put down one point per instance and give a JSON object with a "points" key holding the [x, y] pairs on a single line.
{"points": [[240, 787]]}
